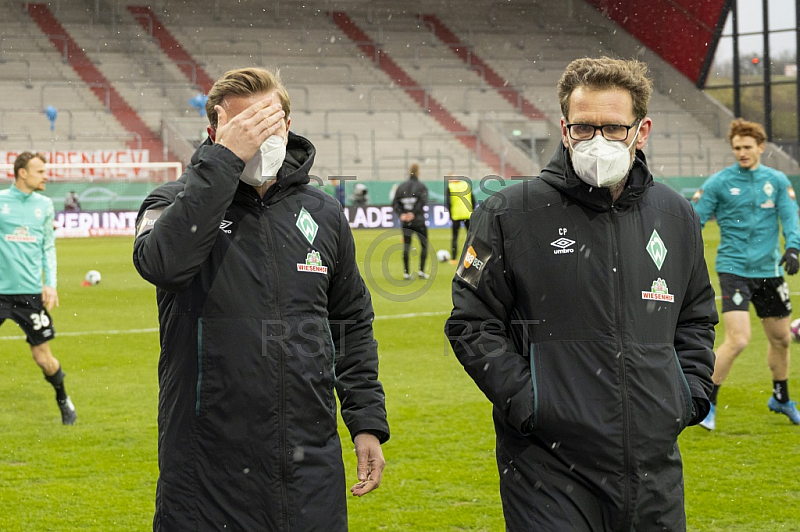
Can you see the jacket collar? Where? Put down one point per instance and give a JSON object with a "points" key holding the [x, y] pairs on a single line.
{"points": [[294, 172], [14, 191], [560, 174]]}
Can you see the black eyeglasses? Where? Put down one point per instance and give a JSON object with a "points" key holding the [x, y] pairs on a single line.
{"points": [[609, 131]]}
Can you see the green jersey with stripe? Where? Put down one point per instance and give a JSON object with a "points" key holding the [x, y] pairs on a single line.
{"points": [[27, 242]]}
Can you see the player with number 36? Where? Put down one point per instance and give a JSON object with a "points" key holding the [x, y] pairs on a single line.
{"points": [[28, 254]]}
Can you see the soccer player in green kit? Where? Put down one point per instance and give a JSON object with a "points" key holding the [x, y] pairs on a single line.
{"points": [[27, 255], [753, 204]]}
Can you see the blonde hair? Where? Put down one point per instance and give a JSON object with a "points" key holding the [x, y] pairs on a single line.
{"points": [[245, 82], [607, 73], [743, 128]]}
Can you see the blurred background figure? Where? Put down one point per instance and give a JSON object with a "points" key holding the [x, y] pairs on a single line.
{"points": [[71, 202], [461, 203], [360, 196], [409, 204], [335, 188]]}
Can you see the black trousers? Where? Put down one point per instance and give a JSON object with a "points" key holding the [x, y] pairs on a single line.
{"points": [[422, 234], [454, 243]]}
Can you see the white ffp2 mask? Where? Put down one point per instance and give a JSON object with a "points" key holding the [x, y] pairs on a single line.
{"points": [[602, 163], [266, 163]]}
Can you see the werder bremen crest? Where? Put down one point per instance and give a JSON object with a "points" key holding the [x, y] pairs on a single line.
{"points": [[657, 249], [307, 225]]}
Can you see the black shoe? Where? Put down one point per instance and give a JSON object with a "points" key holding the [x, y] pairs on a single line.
{"points": [[68, 414]]}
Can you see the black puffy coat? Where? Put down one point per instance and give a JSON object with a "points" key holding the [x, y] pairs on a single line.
{"points": [[263, 314], [590, 327]]}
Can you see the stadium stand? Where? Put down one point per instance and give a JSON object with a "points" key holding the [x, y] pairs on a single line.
{"points": [[98, 84], [375, 85], [328, 73], [421, 95], [35, 75]]}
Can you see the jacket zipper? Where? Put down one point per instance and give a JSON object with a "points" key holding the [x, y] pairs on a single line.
{"points": [[282, 375], [199, 365], [333, 366], [535, 420], [626, 445]]}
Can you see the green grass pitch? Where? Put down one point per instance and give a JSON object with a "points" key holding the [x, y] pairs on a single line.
{"points": [[440, 476]]}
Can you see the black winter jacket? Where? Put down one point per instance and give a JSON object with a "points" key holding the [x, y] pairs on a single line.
{"points": [[411, 196], [590, 327], [263, 313]]}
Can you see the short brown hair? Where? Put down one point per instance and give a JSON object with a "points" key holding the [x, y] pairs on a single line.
{"points": [[244, 82], [413, 170], [607, 73], [23, 159], [743, 128]]}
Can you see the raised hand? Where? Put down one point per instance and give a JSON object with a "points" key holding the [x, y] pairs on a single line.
{"points": [[246, 131]]}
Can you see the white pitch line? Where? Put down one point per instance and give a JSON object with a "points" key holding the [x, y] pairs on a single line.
{"points": [[90, 333], [415, 315], [155, 329]]}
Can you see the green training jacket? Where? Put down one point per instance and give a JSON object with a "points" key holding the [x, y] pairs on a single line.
{"points": [[27, 242]]}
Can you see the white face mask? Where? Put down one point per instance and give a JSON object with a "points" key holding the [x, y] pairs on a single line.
{"points": [[600, 162], [265, 164]]}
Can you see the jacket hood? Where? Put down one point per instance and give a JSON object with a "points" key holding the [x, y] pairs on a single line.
{"points": [[560, 174]]}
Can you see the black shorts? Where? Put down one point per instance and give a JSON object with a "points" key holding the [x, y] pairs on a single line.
{"points": [[30, 314], [770, 295]]}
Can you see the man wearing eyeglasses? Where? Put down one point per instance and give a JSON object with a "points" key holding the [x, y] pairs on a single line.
{"points": [[583, 310]]}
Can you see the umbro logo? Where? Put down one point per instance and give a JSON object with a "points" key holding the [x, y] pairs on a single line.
{"points": [[564, 245], [225, 225]]}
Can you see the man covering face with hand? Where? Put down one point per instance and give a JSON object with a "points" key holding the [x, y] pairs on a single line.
{"points": [[264, 321]]}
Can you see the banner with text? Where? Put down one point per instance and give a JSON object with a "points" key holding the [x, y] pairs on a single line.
{"points": [[126, 158]]}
